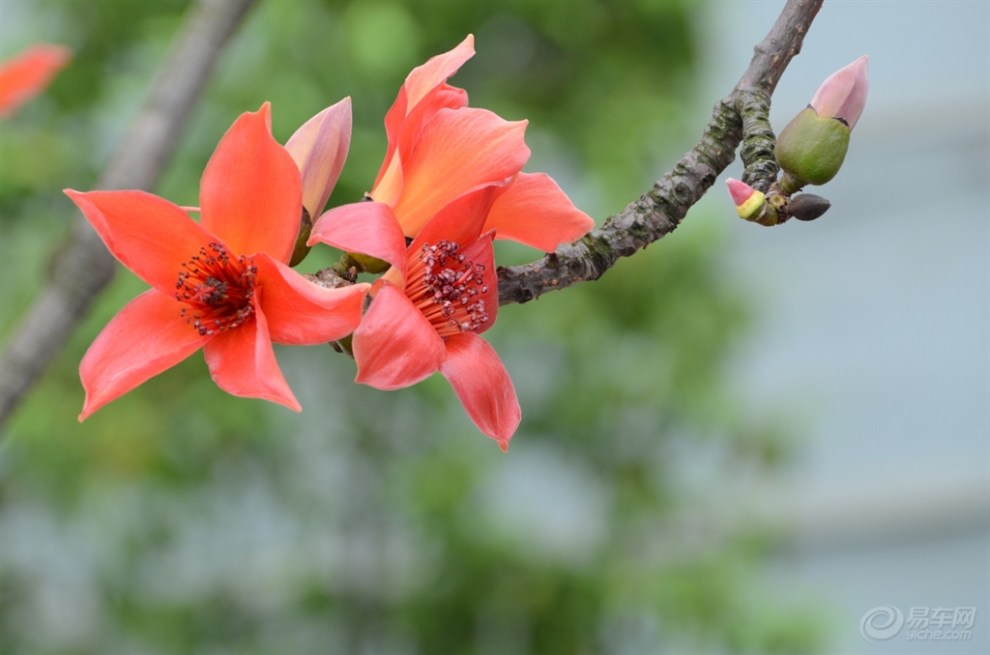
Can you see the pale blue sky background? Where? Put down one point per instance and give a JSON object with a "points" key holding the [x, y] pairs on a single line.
{"points": [[874, 327]]}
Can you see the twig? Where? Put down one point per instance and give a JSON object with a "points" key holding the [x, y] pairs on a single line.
{"points": [[82, 267], [659, 211]]}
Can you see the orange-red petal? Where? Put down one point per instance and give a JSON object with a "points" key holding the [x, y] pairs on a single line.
{"points": [[149, 235], [460, 150], [443, 96], [251, 191], [366, 227], [27, 74], [404, 131], [460, 221], [242, 363], [483, 386], [388, 185], [302, 313], [482, 253], [423, 93], [146, 337], [534, 211], [422, 79], [395, 346]]}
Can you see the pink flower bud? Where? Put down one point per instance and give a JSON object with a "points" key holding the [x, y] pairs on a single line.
{"points": [[748, 201], [843, 94], [319, 149]]}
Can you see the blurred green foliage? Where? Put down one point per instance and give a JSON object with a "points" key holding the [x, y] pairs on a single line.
{"points": [[181, 520]]}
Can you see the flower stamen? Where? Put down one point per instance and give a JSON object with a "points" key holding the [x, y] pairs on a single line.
{"points": [[448, 288], [215, 290]]}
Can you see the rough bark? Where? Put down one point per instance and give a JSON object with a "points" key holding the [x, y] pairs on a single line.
{"points": [[741, 117]]}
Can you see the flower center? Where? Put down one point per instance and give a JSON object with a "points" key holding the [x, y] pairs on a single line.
{"points": [[215, 290], [446, 287]]}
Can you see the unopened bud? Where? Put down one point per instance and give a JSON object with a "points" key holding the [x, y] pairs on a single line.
{"points": [[812, 147], [319, 148], [843, 94], [748, 201], [807, 206]]}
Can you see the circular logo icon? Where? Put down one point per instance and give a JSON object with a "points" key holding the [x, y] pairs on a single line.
{"points": [[881, 623]]}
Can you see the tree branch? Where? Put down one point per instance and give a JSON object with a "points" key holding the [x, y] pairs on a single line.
{"points": [[82, 267], [740, 117]]}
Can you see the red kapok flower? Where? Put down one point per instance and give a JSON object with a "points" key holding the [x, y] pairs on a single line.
{"points": [[27, 74], [222, 284], [439, 149], [429, 309]]}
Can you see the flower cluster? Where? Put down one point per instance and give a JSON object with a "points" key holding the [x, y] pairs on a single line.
{"points": [[451, 182], [809, 150]]}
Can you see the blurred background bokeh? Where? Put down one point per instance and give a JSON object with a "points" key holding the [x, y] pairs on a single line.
{"points": [[739, 441]]}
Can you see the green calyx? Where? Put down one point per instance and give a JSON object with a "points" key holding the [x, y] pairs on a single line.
{"points": [[344, 345], [300, 250], [368, 263], [811, 149]]}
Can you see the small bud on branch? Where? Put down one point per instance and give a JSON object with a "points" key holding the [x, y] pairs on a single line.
{"points": [[813, 146]]}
